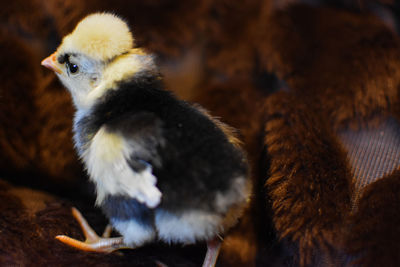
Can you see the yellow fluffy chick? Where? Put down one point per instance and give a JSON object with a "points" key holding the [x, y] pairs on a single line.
{"points": [[163, 169]]}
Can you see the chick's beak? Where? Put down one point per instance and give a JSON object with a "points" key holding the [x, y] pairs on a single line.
{"points": [[51, 63]]}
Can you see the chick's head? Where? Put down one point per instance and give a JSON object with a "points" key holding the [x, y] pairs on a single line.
{"points": [[96, 53]]}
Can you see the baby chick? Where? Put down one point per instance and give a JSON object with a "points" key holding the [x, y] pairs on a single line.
{"points": [[163, 169]]}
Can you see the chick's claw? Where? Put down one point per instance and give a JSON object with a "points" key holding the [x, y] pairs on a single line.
{"points": [[103, 245], [93, 242]]}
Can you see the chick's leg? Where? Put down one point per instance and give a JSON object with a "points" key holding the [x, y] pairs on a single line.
{"points": [[93, 242], [213, 247]]}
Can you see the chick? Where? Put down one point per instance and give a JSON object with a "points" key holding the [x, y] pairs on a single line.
{"points": [[163, 169]]}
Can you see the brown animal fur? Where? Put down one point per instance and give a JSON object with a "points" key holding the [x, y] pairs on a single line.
{"points": [[343, 72], [373, 236]]}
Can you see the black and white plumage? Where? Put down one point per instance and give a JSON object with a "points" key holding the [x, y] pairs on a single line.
{"points": [[163, 169]]}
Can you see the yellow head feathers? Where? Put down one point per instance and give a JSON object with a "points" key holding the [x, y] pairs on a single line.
{"points": [[101, 36]]}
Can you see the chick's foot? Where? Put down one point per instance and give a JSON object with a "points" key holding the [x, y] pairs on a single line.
{"points": [[93, 242]]}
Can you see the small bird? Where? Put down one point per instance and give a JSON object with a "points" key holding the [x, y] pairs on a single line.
{"points": [[163, 169]]}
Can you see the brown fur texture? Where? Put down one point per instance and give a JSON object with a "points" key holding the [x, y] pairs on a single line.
{"points": [[287, 74], [346, 63], [342, 72], [373, 236], [36, 145], [309, 181]]}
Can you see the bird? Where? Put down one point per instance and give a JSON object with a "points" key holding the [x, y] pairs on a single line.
{"points": [[163, 169]]}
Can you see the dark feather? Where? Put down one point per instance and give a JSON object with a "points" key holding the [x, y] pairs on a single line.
{"points": [[190, 155]]}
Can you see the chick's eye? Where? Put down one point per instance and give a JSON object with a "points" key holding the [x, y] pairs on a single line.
{"points": [[73, 68]]}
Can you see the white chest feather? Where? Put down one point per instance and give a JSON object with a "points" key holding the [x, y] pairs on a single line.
{"points": [[106, 161]]}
